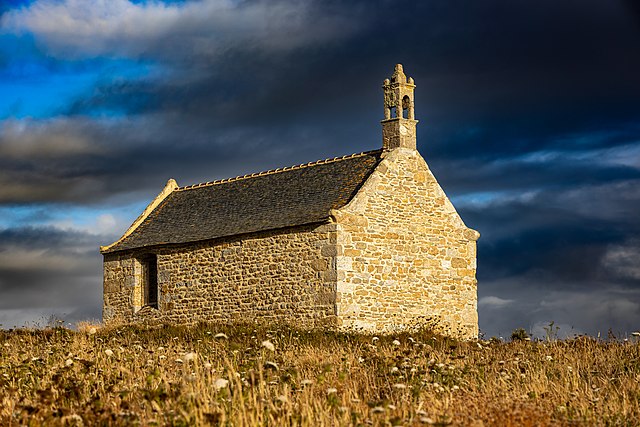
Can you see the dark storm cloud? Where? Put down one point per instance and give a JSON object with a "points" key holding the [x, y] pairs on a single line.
{"points": [[46, 271], [529, 119]]}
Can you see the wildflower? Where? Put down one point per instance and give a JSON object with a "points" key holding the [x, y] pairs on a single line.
{"points": [[395, 370], [68, 362], [548, 358], [160, 348], [427, 420], [220, 383], [360, 359], [442, 365], [220, 336], [162, 357], [271, 365], [332, 390], [208, 365], [392, 407], [374, 340], [455, 387], [399, 386], [635, 334], [189, 357], [268, 345], [306, 382], [108, 352], [179, 360], [377, 410], [395, 342], [74, 419], [92, 331]]}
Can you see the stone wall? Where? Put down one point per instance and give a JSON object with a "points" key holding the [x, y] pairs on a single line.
{"points": [[405, 258], [280, 275]]}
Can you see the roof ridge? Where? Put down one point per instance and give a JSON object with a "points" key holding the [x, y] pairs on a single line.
{"points": [[278, 170]]}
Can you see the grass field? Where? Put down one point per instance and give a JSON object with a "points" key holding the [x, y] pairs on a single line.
{"points": [[255, 375]]}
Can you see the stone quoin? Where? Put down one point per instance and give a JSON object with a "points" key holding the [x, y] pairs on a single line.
{"points": [[367, 241]]}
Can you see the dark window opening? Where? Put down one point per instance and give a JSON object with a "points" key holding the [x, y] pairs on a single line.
{"points": [[150, 265], [406, 103]]}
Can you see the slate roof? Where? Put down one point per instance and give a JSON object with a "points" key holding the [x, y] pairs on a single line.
{"points": [[269, 200]]}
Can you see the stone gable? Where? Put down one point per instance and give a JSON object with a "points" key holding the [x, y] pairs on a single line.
{"points": [[405, 258]]}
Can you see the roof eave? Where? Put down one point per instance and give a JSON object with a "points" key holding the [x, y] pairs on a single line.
{"points": [[170, 187]]}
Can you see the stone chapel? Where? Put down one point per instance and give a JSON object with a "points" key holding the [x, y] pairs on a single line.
{"points": [[367, 241]]}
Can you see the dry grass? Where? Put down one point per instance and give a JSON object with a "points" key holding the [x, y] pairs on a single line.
{"points": [[173, 375]]}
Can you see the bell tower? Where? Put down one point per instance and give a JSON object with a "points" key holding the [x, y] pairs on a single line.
{"points": [[399, 124]]}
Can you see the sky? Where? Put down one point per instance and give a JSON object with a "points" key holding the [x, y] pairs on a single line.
{"points": [[529, 118]]}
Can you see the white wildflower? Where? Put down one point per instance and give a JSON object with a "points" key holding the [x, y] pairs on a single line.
{"points": [[268, 345], [179, 360], [220, 336], [271, 365], [220, 383], [395, 342], [68, 362], [305, 383], [399, 386], [93, 331], [73, 419], [208, 365], [332, 390], [108, 352], [377, 410], [189, 357]]}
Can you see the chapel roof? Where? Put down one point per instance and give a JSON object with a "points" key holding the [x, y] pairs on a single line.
{"points": [[274, 199]]}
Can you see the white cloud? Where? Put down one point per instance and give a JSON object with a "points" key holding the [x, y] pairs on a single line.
{"points": [[71, 28], [494, 302]]}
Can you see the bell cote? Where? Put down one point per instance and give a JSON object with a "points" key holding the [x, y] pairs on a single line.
{"points": [[399, 124]]}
